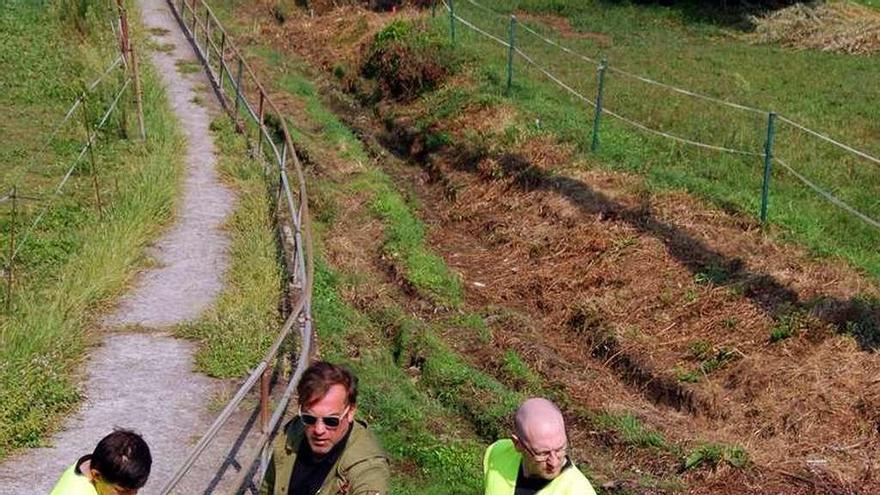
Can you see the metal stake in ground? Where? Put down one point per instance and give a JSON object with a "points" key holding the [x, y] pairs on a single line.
{"points": [[768, 163], [452, 20], [133, 63], [510, 51], [239, 127], [598, 115], [92, 158]]}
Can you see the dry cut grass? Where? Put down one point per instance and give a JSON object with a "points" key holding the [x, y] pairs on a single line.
{"points": [[843, 27]]}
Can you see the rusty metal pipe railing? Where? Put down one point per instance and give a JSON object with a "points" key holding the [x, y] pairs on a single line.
{"points": [[198, 22]]}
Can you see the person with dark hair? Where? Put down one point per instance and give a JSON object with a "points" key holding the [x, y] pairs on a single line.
{"points": [[534, 460], [120, 465], [324, 449]]}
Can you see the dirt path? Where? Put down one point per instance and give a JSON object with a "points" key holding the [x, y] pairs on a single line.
{"points": [[145, 380]]}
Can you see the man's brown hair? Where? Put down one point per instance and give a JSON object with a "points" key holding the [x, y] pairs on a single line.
{"points": [[319, 377]]}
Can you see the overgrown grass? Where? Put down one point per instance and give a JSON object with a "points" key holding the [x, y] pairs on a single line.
{"points": [[669, 45], [245, 319], [77, 260]]}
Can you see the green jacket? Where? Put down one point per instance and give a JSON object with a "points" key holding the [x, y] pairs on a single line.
{"points": [[501, 467], [362, 469]]}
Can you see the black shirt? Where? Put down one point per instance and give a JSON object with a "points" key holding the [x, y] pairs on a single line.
{"points": [[531, 486], [309, 471]]}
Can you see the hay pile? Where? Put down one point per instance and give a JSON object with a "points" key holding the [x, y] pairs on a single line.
{"points": [[843, 27]]}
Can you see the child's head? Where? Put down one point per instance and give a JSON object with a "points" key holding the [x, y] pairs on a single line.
{"points": [[121, 463]]}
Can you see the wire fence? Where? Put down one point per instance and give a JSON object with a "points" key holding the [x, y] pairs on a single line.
{"points": [[751, 130], [256, 115], [23, 224]]}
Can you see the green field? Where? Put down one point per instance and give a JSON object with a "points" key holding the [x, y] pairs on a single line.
{"points": [[820, 90]]}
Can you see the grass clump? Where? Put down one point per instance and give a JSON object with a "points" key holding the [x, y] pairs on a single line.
{"points": [[631, 431], [713, 455], [405, 60], [245, 319]]}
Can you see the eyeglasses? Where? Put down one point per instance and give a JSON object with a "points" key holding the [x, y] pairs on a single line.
{"points": [[329, 421], [546, 455]]}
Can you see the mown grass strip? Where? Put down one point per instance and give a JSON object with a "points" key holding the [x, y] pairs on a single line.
{"points": [[245, 318], [78, 262]]}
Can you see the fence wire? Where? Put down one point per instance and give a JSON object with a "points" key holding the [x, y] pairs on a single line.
{"points": [[92, 139], [641, 126]]}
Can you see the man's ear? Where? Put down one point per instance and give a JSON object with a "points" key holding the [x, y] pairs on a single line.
{"points": [[517, 443], [351, 411]]}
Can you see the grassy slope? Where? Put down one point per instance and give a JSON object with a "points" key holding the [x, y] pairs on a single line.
{"points": [[76, 262], [671, 46]]}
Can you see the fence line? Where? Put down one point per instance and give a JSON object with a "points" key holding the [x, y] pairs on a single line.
{"points": [[830, 140], [92, 139], [682, 90], [205, 25], [828, 196], [825, 194], [583, 98]]}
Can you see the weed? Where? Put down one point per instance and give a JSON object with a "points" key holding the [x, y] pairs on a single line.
{"points": [[632, 431], [713, 455]]}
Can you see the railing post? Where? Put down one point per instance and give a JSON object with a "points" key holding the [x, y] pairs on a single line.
{"points": [[594, 146], [222, 60], [238, 86], [510, 51], [93, 161], [768, 164], [434, 8], [264, 401], [260, 128], [207, 38], [10, 261], [452, 20]]}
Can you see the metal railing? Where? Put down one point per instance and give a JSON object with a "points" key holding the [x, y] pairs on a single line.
{"points": [[243, 97]]}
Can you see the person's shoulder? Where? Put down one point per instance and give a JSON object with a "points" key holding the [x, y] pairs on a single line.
{"points": [[363, 443], [501, 446], [576, 482], [72, 483]]}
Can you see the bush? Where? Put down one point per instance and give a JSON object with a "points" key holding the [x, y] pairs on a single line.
{"points": [[405, 61]]}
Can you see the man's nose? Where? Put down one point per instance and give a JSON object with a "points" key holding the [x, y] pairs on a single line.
{"points": [[319, 427]]}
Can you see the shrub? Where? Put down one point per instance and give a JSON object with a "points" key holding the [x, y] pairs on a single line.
{"points": [[405, 61]]}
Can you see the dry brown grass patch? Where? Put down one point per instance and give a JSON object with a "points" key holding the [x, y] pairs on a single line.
{"points": [[835, 27]]}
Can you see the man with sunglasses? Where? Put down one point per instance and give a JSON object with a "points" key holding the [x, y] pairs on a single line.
{"points": [[324, 450], [534, 460]]}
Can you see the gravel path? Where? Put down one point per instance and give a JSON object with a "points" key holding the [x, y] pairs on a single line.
{"points": [[145, 380]]}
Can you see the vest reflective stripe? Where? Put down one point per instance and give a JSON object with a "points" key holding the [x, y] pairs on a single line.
{"points": [[501, 466], [73, 484]]}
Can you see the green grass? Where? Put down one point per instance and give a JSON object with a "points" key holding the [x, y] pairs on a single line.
{"points": [[405, 244], [670, 45], [244, 321], [404, 232], [76, 262]]}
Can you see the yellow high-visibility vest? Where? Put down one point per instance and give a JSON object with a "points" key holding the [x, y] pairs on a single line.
{"points": [[501, 466], [73, 484]]}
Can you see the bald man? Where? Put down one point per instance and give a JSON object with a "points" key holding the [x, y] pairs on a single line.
{"points": [[533, 461]]}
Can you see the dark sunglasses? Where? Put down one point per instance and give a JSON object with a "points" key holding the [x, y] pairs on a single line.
{"points": [[329, 421]]}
